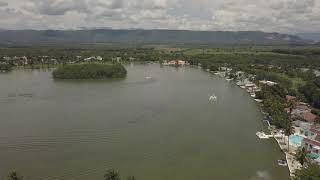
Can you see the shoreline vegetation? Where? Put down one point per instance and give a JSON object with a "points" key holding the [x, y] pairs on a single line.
{"points": [[90, 71]]}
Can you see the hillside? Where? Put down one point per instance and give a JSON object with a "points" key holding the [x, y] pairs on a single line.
{"points": [[312, 36], [147, 36]]}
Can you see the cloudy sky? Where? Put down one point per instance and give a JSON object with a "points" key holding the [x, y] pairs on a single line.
{"points": [[289, 16]]}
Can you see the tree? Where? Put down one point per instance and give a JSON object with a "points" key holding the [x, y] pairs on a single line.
{"points": [[15, 176], [288, 130], [312, 172], [301, 155], [111, 174], [291, 106]]}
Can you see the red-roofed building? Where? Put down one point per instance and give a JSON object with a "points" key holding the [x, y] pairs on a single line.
{"points": [[312, 140], [290, 98], [309, 117]]}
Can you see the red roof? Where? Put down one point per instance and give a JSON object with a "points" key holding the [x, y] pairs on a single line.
{"points": [[310, 117], [315, 129], [290, 98], [312, 142]]}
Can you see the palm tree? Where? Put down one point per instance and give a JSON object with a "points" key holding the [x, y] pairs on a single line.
{"points": [[301, 155], [112, 175], [288, 130], [14, 176], [291, 105]]}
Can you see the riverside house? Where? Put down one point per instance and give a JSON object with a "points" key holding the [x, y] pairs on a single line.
{"points": [[175, 63], [300, 110], [311, 142]]}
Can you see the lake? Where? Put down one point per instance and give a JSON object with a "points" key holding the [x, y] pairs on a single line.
{"points": [[163, 128]]}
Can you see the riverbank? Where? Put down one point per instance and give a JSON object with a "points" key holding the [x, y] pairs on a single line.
{"points": [[278, 134], [293, 164]]}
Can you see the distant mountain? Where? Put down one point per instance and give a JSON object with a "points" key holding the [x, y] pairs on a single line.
{"points": [[147, 36], [311, 36]]}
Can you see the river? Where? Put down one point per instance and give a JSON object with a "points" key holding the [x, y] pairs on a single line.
{"points": [[163, 128]]}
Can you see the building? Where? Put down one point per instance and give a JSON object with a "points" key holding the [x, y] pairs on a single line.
{"points": [[269, 83], [175, 63], [311, 142], [309, 117]]}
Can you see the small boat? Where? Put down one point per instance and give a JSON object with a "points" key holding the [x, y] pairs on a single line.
{"points": [[213, 98], [282, 162], [229, 79], [262, 135], [148, 77]]}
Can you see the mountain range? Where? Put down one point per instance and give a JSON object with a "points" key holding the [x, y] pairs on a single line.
{"points": [[147, 36]]}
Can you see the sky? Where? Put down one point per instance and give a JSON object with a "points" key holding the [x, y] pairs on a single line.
{"points": [[284, 16]]}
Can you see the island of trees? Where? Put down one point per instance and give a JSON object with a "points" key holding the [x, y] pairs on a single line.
{"points": [[90, 71]]}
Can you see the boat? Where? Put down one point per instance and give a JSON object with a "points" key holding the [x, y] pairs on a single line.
{"points": [[282, 162], [229, 79], [213, 98], [148, 77], [262, 135]]}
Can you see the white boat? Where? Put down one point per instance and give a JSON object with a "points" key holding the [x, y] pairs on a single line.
{"points": [[282, 162], [148, 77], [229, 79], [262, 135], [213, 98]]}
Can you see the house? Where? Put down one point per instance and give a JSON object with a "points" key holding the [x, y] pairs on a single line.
{"points": [[269, 83], [290, 98], [311, 142], [175, 63], [309, 117], [226, 69], [99, 58]]}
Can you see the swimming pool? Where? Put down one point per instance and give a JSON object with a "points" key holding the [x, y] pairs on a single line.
{"points": [[296, 140]]}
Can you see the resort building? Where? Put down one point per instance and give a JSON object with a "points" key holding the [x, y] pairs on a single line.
{"points": [[311, 142], [308, 136]]}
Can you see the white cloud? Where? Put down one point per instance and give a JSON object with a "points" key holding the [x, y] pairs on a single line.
{"points": [[288, 16], [2, 4]]}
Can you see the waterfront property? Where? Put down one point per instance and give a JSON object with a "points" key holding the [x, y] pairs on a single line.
{"points": [[300, 110], [308, 137], [175, 63], [312, 142]]}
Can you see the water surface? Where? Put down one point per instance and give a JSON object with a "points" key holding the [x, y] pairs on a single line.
{"points": [[162, 128]]}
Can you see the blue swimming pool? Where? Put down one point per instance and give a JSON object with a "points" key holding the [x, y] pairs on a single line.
{"points": [[296, 140]]}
